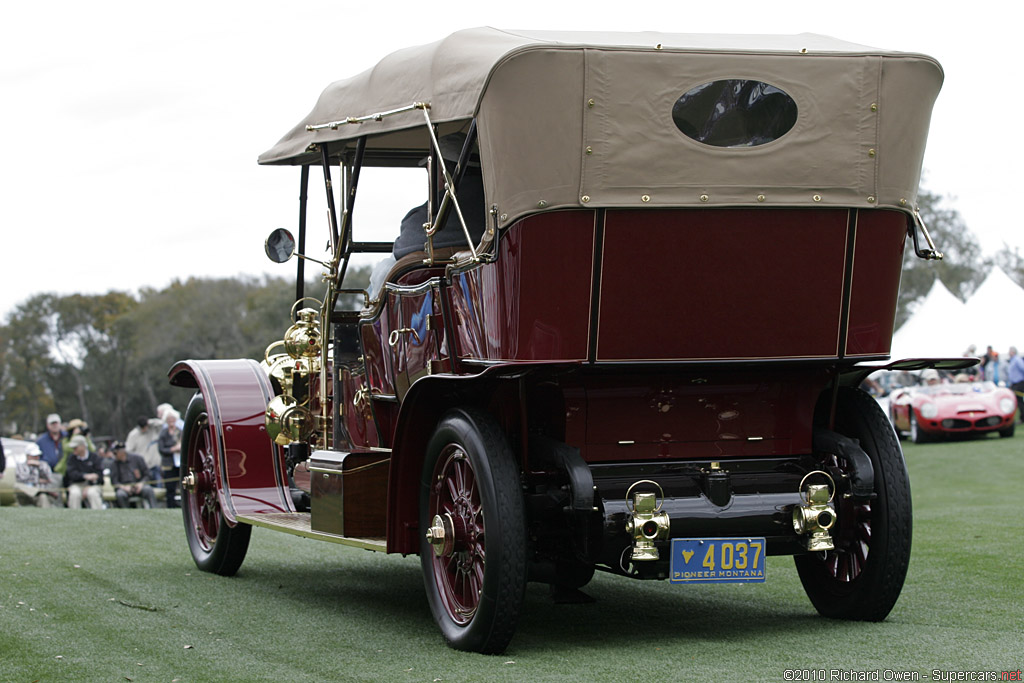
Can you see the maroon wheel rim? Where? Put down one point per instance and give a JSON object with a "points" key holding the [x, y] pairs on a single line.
{"points": [[202, 502], [853, 538], [459, 572]]}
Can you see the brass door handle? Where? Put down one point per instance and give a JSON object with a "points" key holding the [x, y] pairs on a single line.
{"points": [[395, 335]]}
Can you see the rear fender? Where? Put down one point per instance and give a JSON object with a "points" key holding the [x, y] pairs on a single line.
{"points": [[425, 404], [250, 467]]}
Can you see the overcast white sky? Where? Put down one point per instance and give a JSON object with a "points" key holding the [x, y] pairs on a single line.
{"points": [[130, 130]]}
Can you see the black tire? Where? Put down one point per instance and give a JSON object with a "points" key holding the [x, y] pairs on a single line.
{"points": [[216, 546], [475, 583], [1008, 432], [917, 435], [862, 578]]}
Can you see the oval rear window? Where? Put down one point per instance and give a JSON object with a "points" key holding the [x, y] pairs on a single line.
{"points": [[735, 113]]}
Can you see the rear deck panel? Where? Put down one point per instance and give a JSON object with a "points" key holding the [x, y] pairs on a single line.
{"points": [[721, 284]]}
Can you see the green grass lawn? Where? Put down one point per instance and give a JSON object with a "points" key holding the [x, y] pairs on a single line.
{"points": [[114, 596]]}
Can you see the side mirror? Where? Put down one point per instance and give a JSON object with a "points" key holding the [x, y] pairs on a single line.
{"points": [[280, 245]]}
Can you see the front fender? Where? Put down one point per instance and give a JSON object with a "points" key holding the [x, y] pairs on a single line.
{"points": [[250, 467]]}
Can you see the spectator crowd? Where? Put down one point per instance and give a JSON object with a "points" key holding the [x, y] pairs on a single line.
{"points": [[65, 466], [1007, 371]]}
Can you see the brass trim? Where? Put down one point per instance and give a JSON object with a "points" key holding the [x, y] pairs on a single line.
{"points": [[657, 508], [396, 335], [377, 116], [449, 190], [325, 470], [298, 524], [832, 488]]}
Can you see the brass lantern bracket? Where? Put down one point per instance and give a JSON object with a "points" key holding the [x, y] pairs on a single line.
{"points": [[660, 496], [647, 523], [318, 303], [804, 496], [815, 515]]}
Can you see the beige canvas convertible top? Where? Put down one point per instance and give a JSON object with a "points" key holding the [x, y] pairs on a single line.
{"points": [[585, 119]]}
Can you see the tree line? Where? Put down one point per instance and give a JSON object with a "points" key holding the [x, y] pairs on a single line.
{"points": [[104, 358]]}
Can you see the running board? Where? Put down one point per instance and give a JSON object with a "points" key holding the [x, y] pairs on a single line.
{"points": [[298, 524]]}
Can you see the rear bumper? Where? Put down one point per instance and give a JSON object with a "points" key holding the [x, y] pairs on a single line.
{"points": [[752, 497]]}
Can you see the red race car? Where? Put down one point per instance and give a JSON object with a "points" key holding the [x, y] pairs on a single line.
{"points": [[936, 411]]}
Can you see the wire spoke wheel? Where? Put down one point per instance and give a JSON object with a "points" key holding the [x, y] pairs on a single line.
{"points": [[473, 547], [459, 574], [861, 579], [853, 536], [204, 507], [216, 546]]}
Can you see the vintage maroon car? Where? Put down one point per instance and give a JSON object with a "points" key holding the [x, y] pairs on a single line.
{"points": [[936, 411], [675, 258]]}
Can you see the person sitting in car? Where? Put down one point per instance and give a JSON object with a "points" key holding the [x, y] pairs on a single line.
{"points": [[412, 237], [470, 193]]}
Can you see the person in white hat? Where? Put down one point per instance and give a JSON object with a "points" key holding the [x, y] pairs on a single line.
{"points": [[35, 483]]}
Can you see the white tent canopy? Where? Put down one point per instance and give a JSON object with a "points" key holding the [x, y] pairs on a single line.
{"points": [[934, 330], [943, 326], [994, 313]]}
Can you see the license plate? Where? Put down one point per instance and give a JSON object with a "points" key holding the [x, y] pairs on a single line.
{"points": [[717, 560]]}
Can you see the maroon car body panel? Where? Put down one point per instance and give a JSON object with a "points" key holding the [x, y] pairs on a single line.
{"points": [[692, 415], [533, 303], [877, 264], [250, 466], [721, 284], [669, 287]]}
